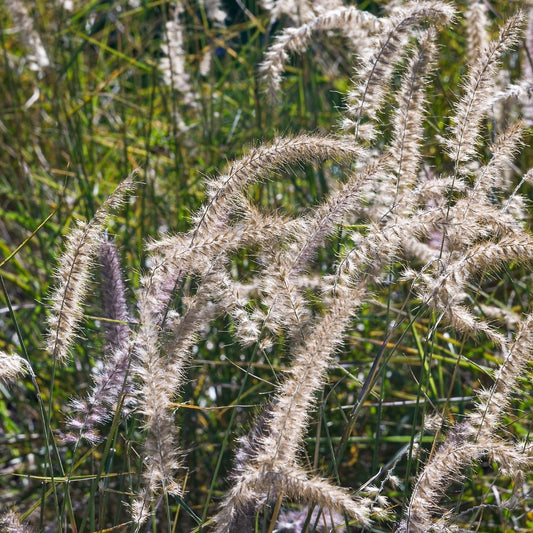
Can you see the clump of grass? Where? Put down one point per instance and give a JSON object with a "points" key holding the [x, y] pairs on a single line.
{"points": [[415, 219]]}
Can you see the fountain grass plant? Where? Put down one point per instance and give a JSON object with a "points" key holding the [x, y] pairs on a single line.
{"points": [[305, 307]]}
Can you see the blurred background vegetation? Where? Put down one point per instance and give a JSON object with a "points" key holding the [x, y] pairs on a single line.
{"points": [[71, 130]]}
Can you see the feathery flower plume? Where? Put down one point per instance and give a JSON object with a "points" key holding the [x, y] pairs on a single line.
{"points": [[113, 297], [296, 40], [266, 466], [404, 151], [479, 86], [161, 367], [408, 119], [172, 65], [11, 367], [10, 523], [153, 395], [491, 176], [375, 73], [281, 282], [476, 23], [73, 274], [445, 292], [112, 383], [194, 253], [256, 165]]}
